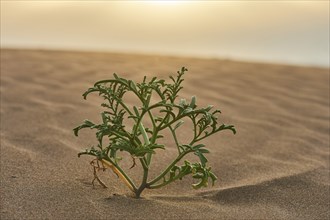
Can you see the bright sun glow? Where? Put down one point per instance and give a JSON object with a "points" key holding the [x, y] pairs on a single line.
{"points": [[164, 2]]}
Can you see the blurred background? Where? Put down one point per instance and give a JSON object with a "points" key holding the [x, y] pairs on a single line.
{"points": [[292, 32]]}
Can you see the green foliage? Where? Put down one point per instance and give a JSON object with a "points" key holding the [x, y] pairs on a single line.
{"points": [[141, 142]]}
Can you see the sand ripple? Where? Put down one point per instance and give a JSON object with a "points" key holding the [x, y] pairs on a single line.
{"points": [[276, 167]]}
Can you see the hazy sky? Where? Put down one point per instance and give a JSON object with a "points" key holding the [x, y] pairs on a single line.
{"points": [[272, 31]]}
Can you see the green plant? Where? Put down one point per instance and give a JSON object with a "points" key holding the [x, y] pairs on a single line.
{"points": [[142, 142]]}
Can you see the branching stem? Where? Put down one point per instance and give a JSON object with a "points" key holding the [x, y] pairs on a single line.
{"points": [[155, 180]]}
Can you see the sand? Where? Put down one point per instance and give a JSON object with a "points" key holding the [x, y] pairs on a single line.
{"points": [[275, 167]]}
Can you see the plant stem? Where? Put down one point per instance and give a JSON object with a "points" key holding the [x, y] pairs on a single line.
{"points": [[144, 180], [164, 183], [144, 134], [154, 136], [144, 162], [154, 130], [169, 167], [175, 138], [116, 169]]}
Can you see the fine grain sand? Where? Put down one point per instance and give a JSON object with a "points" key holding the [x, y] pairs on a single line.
{"points": [[275, 167]]}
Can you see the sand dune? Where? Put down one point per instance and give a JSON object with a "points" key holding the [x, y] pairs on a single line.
{"points": [[276, 167]]}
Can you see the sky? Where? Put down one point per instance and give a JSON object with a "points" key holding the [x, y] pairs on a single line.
{"points": [[293, 32]]}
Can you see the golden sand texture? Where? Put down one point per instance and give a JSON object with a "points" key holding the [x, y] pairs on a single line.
{"points": [[275, 167]]}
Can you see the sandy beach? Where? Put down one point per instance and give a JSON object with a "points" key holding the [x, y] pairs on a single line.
{"points": [[275, 167]]}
